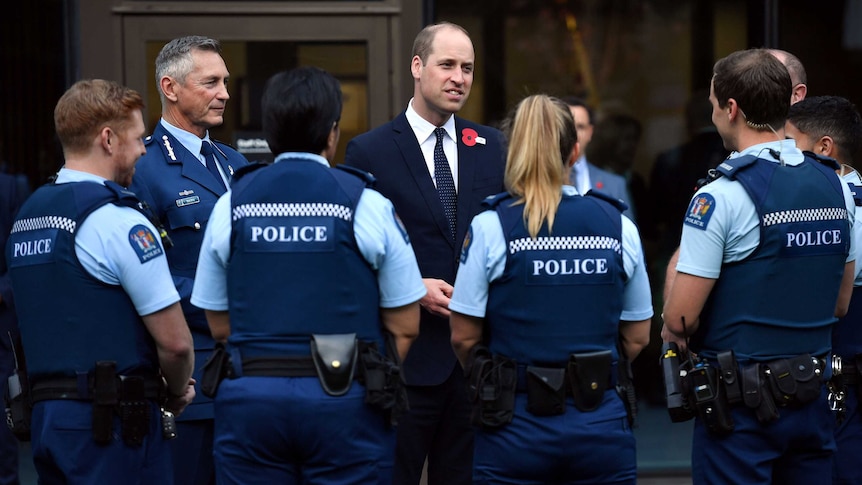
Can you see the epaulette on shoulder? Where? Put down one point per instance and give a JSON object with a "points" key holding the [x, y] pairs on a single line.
{"points": [[618, 203], [730, 167], [494, 200], [828, 161], [251, 167], [367, 177]]}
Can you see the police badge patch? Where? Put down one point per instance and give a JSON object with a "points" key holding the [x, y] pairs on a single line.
{"points": [[144, 243], [700, 210], [465, 248], [400, 226]]}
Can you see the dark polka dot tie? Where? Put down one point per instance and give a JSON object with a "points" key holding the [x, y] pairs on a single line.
{"points": [[445, 183], [209, 157]]}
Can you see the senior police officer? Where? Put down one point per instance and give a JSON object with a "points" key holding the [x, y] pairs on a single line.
{"points": [[101, 323], [181, 176], [830, 126], [765, 264], [299, 262], [521, 260]]}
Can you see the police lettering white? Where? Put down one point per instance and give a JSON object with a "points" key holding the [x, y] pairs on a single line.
{"points": [[814, 238], [554, 267], [31, 248], [288, 234]]}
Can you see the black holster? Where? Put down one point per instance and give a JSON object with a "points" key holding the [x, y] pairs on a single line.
{"points": [[756, 396], [134, 410], [18, 406], [589, 373], [334, 358], [105, 399], [626, 386], [384, 383], [491, 383], [546, 391], [215, 370]]}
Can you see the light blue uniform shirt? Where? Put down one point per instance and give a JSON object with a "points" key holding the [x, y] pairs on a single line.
{"points": [[381, 239], [733, 230], [104, 248], [486, 261], [853, 178]]}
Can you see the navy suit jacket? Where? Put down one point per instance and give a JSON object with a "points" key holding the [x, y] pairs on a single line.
{"points": [[10, 202], [182, 193], [392, 154]]}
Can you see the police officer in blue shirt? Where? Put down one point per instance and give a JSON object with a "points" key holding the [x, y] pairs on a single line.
{"points": [[101, 324], [299, 262], [181, 176], [830, 126], [540, 245], [766, 262]]}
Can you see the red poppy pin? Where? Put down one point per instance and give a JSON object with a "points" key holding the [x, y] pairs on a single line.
{"points": [[469, 137], [600, 185]]}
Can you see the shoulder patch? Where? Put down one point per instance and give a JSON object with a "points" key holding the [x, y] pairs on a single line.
{"points": [[144, 243], [700, 210], [400, 226], [465, 248]]}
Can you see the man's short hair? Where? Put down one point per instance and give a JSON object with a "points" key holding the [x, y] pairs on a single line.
{"points": [[424, 40], [90, 104], [758, 82], [831, 116]]}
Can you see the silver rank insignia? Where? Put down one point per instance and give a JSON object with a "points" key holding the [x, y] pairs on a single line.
{"points": [[169, 147]]}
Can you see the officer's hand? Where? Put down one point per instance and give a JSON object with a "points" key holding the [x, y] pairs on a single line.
{"points": [[437, 296], [176, 404], [668, 336]]}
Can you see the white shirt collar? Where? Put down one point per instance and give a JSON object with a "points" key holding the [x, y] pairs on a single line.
{"points": [[423, 128]]}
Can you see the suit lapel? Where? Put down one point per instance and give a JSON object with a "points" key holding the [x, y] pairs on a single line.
{"points": [[407, 144], [192, 168], [467, 163]]}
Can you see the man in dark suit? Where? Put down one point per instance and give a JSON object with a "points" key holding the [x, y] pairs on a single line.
{"points": [[10, 200], [419, 159]]}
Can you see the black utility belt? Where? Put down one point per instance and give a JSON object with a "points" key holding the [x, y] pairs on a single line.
{"points": [[763, 387], [336, 360], [82, 389], [111, 394], [493, 381], [278, 367]]}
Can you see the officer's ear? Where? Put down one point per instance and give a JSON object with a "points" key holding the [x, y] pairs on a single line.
{"points": [[825, 146]]}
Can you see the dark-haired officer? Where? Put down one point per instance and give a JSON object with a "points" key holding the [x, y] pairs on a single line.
{"points": [[765, 265], [302, 268]]}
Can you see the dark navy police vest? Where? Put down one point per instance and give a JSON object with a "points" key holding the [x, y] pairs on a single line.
{"points": [[560, 293], [69, 319], [780, 301], [295, 268]]}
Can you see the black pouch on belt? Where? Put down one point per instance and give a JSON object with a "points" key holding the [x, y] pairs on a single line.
{"points": [[589, 373], [134, 410], [215, 369], [334, 359], [546, 391], [805, 371], [105, 399], [756, 395]]}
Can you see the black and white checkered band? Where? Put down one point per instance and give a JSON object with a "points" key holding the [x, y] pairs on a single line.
{"points": [[44, 222], [285, 210], [568, 242], [804, 215]]}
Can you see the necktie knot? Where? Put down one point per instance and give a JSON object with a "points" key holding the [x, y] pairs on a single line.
{"points": [[206, 149]]}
